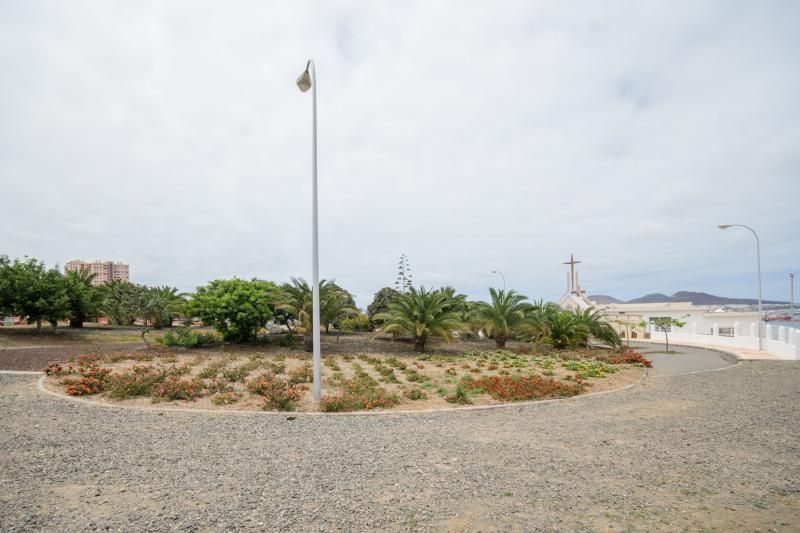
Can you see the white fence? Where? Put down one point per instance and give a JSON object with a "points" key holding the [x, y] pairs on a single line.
{"points": [[781, 341]]}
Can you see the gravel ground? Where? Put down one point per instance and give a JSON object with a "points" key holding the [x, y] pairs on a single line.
{"points": [[715, 450], [35, 358]]}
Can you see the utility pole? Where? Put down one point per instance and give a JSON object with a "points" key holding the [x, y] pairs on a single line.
{"points": [[791, 295]]}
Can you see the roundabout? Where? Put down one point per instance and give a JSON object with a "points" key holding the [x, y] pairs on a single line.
{"points": [[676, 451]]}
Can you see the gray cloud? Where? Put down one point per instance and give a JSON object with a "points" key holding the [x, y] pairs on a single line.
{"points": [[471, 136]]}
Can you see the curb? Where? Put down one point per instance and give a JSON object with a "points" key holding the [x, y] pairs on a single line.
{"points": [[41, 388]]}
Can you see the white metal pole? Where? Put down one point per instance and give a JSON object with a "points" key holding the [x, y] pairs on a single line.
{"points": [[758, 261], [317, 356]]}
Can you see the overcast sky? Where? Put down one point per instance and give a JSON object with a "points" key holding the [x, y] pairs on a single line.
{"points": [[471, 136]]}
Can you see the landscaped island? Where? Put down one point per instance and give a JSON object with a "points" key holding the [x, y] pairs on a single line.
{"points": [[276, 379]]}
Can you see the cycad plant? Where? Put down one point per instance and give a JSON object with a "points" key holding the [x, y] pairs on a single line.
{"points": [[506, 312], [422, 314]]}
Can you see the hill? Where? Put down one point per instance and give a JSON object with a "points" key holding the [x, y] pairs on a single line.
{"points": [[697, 298]]}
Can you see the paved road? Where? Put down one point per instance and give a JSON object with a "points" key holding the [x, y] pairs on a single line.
{"points": [[684, 360], [715, 450]]}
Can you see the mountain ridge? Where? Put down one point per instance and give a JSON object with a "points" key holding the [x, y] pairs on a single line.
{"points": [[697, 298]]}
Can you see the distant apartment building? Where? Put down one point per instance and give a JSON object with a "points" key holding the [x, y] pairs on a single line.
{"points": [[104, 271]]}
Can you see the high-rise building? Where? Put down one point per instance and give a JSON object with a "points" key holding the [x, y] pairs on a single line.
{"points": [[104, 271]]}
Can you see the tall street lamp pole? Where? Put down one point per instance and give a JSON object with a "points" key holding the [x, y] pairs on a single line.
{"points": [[502, 276], [758, 260], [308, 80]]}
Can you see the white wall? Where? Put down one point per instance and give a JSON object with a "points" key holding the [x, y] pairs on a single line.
{"points": [[781, 341]]}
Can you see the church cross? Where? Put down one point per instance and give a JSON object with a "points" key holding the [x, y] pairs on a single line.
{"points": [[572, 263]]}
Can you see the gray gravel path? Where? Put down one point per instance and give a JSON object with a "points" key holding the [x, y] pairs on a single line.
{"points": [[715, 450]]}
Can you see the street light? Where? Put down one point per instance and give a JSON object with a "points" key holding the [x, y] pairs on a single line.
{"points": [[758, 260], [502, 276], [308, 80]]}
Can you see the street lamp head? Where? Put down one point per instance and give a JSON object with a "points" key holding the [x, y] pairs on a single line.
{"points": [[304, 81], [494, 271], [724, 226]]}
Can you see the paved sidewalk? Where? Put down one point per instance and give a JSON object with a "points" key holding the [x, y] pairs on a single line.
{"points": [[741, 353]]}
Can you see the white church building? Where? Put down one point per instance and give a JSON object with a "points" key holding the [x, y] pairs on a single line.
{"points": [[703, 324]]}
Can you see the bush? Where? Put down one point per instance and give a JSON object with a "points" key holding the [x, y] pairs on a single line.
{"points": [[278, 393], [357, 323], [625, 356], [361, 392], [138, 381], [301, 374], [415, 394], [459, 396], [234, 307], [518, 388], [175, 388], [187, 338], [589, 369], [83, 386]]}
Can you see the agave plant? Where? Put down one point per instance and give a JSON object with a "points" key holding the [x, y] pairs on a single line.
{"points": [[422, 314], [507, 311]]}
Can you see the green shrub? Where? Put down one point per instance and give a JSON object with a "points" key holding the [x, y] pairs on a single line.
{"points": [[236, 308], [589, 369], [187, 338], [459, 396], [357, 323]]}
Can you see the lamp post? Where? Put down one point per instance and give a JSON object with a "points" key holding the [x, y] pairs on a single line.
{"points": [[308, 80], [502, 276], [758, 260]]}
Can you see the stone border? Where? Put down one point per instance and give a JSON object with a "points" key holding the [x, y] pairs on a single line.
{"points": [[41, 388]]}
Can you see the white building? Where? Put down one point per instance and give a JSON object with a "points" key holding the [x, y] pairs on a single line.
{"points": [[703, 324]]}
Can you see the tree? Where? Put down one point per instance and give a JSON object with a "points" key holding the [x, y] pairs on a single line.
{"points": [[122, 301], [334, 305], [548, 323], [380, 303], [505, 313], [421, 314], [598, 327], [235, 307], [30, 290], [664, 324], [84, 298], [53, 301], [163, 304]]}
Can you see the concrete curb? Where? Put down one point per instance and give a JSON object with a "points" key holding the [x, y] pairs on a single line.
{"points": [[41, 388]]}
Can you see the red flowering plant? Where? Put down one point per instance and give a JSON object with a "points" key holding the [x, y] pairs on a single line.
{"points": [[278, 393], [624, 356], [175, 388], [140, 380], [92, 377], [361, 392], [517, 388], [54, 369]]}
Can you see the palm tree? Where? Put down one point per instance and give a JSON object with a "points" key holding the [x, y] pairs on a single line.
{"points": [[566, 329], [334, 305], [500, 318], [422, 313], [163, 304], [598, 327]]}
